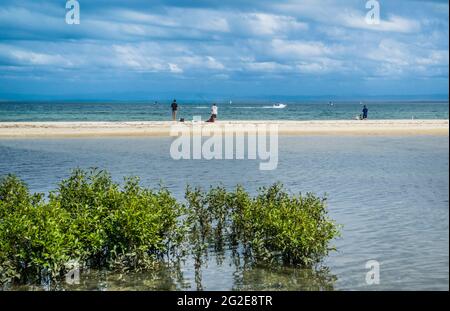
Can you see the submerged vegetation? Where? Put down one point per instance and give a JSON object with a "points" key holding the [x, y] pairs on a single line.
{"points": [[90, 221]]}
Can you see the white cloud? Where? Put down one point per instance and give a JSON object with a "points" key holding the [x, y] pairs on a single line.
{"points": [[393, 24], [212, 63], [175, 19], [33, 58], [298, 49], [174, 68], [304, 37], [395, 58], [335, 13], [321, 66], [160, 57], [391, 51], [266, 67], [188, 21], [39, 58], [263, 24], [198, 62], [136, 59]]}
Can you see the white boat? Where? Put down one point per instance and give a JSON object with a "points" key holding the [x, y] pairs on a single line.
{"points": [[279, 106]]}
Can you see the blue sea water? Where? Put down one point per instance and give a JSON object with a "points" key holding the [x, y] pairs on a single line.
{"points": [[391, 194], [237, 110]]}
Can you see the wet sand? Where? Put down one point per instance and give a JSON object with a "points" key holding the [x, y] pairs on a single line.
{"points": [[164, 128]]}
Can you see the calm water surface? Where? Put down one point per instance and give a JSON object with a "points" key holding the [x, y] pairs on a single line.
{"points": [[237, 110], [391, 194]]}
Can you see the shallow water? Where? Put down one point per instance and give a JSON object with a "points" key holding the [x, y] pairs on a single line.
{"points": [[148, 111], [391, 194]]}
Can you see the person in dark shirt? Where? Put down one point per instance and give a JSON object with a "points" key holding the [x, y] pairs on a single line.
{"points": [[365, 111], [174, 109]]}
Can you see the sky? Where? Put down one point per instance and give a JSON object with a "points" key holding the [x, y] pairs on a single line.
{"points": [[140, 49]]}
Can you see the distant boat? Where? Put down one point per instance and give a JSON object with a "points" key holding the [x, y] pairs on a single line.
{"points": [[279, 106]]}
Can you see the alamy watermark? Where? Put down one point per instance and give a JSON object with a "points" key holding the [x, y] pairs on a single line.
{"points": [[73, 274], [373, 275], [373, 15], [226, 141], [73, 12]]}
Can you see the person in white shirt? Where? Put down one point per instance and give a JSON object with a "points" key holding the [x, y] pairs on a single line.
{"points": [[214, 110]]}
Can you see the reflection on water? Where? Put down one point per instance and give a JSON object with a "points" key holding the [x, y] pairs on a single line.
{"points": [[389, 193], [176, 276], [285, 278]]}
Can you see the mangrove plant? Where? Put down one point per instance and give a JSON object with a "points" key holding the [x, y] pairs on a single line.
{"points": [[90, 221]]}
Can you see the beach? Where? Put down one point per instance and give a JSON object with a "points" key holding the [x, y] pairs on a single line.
{"points": [[163, 128]]}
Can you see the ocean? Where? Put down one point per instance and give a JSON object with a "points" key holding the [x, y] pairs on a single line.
{"points": [[237, 110], [390, 194]]}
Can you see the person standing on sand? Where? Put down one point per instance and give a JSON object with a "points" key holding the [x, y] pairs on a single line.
{"points": [[365, 111], [174, 110], [214, 110]]}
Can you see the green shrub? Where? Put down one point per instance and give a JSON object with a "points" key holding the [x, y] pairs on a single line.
{"points": [[295, 229], [90, 220], [32, 233], [144, 226], [273, 226]]}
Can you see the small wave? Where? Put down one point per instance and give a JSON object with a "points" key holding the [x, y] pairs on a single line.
{"points": [[201, 107]]}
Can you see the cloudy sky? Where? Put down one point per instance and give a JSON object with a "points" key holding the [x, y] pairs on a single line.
{"points": [[138, 49]]}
